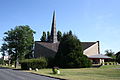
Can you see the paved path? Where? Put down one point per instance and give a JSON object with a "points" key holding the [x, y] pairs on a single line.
{"points": [[9, 74]]}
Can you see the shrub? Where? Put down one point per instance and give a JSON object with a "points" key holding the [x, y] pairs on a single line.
{"points": [[33, 63], [114, 63], [106, 63], [54, 69], [70, 53], [110, 63]]}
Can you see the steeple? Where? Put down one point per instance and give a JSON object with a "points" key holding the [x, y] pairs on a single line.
{"points": [[53, 37]]}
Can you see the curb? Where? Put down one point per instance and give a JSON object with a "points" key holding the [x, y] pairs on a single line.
{"points": [[48, 76]]}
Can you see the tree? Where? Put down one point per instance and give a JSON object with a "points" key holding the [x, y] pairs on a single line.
{"points": [[118, 57], [70, 53], [20, 42], [43, 38], [59, 35], [110, 53], [70, 32], [48, 36], [3, 50]]}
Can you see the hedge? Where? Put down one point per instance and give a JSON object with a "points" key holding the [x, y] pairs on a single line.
{"points": [[33, 63]]}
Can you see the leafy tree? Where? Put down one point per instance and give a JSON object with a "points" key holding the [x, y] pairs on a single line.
{"points": [[70, 53], [118, 57], [20, 42], [1, 61], [3, 50], [110, 53], [48, 36], [59, 35], [43, 38]]}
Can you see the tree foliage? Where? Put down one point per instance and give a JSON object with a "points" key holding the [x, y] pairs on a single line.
{"points": [[59, 35], [110, 53], [20, 41], [48, 36], [70, 53], [118, 57], [43, 38], [3, 50]]}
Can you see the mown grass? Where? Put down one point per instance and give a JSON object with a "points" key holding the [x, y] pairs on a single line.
{"points": [[110, 66], [18, 67], [110, 72], [106, 72]]}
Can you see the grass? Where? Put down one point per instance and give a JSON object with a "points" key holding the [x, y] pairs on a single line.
{"points": [[110, 66], [18, 67], [106, 72], [102, 73]]}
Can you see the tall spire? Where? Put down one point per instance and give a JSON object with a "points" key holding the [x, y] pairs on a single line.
{"points": [[53, 38]]}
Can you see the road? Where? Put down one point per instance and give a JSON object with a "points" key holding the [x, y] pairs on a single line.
{"points": [[9, 74]]}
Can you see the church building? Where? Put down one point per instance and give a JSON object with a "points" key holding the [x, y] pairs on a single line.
{"points": [[49, 49]]}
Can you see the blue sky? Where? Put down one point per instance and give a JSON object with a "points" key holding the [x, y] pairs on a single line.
{"points": [[90, 20]]}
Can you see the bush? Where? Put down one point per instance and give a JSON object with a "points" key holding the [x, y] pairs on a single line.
{"points": [[55, 70], [106, 63], [33, 63], [70, 53], [110, 63]]}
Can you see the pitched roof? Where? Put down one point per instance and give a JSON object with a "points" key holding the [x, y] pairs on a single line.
{"points": [[86, 45], [54, 46], [51, 46]]}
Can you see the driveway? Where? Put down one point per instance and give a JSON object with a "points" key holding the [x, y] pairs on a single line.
{"points": [[9, 74]]}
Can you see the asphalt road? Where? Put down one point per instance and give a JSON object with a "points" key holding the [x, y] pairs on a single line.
{"points": [[9, 74]]}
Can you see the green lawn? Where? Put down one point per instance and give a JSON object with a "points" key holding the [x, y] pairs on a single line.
{"points": [[18, 67], [107, 72], [110, 66], [102, 73]]}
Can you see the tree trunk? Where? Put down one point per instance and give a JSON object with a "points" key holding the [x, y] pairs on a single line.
{"points": [[3, 60]]}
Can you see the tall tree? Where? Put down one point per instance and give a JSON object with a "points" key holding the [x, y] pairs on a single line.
{"points": [[20, 42], [118, 57], [43, 38], [48, 36], [70, 53], [59, 35], [70, 32], [110, 53], [3, 49]]}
